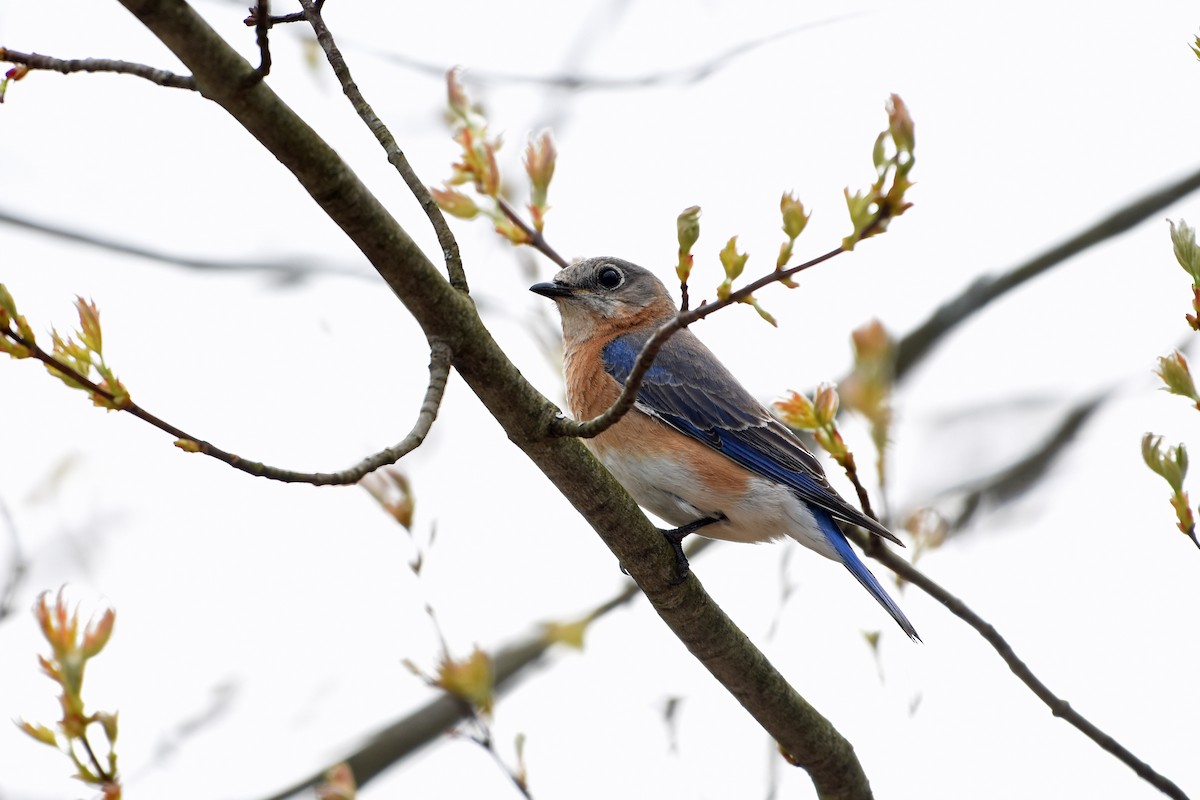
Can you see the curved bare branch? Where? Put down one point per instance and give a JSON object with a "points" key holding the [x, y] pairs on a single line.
{"points": [[395, 156], [439, 371]]}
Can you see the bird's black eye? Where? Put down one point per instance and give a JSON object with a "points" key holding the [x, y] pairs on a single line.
{"points": [[609, 277]]}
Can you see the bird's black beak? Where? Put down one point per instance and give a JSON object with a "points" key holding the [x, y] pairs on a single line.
{"points": [[552, 290]]}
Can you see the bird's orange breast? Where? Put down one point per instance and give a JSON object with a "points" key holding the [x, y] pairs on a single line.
{"points": [[591, 391]]}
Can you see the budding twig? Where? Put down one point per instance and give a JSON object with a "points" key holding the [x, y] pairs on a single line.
{"points": [[625, 401], [536, 240], [439, 370]]}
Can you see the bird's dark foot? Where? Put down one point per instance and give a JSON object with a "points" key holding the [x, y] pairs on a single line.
{"points": [[675, 538]]}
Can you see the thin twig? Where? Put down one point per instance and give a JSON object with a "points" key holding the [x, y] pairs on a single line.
{"points": [[536, 240], [262, 24], [1036, 462], [160, 76], [585, 430], [439, 370], [487, 741], [864, 499], [395, 156], [289, 269], [1058, 707], [572, 81], [257, 15], [101, 773], [252, 20]]}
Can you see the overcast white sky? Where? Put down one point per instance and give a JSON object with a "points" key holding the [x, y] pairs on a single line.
{"points": [[289, 609]]}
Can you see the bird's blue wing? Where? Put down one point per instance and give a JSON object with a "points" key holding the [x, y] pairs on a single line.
{"points": [[690, 390]]}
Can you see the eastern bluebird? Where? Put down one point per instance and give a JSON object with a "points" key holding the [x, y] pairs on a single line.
{"points": [[697, 449]]}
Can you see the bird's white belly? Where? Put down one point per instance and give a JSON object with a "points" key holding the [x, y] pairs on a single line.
{"points": [[668, 489]]}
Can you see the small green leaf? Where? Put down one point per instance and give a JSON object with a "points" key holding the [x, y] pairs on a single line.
{"points": [[39, 732], [732, 261], [687, 229], [687, 226], [762, 312], [794, 218], [1183, 238], [454, 202], [1174, 372], [6, 301], [89, 325], [540, 158]]}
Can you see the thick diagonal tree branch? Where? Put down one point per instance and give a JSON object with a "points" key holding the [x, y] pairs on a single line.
{"points": [[447, 314]]}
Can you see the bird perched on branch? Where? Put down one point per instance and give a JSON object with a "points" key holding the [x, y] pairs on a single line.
{"points": [[696, 450]]}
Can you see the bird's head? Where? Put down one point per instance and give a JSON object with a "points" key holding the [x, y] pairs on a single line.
{"points": [[601, 293]]}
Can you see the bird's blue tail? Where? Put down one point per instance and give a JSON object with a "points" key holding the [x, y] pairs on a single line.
{"points": [[859, 570]]}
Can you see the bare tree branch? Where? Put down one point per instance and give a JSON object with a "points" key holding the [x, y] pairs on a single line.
{"points": [[918, 343], [287, 270], [262, 24], [1020, 476], [536, 240], [395, 156], [683, 76], [160, 76], [439, 371], [258, 16], [1058, 707]]}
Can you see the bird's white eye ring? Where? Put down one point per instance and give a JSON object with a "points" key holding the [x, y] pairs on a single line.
{"points": [[610, 277]]}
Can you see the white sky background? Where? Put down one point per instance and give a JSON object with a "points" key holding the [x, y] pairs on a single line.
{"points": [[293, 606]]}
